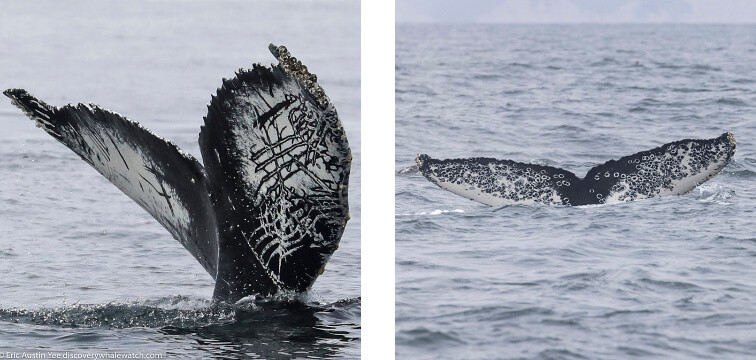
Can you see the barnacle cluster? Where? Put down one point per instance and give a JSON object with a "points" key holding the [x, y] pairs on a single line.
{"points": [[297, 70]]}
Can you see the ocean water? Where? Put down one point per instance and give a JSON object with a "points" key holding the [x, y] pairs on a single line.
{"points": [[84, 269], [661, 278]]}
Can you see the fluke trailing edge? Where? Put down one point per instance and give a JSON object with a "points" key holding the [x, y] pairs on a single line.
{"points": [[671, 169], [268, 208]]}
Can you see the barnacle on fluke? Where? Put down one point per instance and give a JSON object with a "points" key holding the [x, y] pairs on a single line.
{"points": [[298, 71]]}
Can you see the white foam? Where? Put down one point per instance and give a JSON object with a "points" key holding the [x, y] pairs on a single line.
{"points": [[714, 193], [434, 212]]}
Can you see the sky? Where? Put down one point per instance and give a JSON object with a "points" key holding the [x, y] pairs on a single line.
{"points": [[575, 11]]}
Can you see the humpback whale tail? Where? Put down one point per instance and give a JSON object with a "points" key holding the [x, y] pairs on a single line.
{"points": [[268, 208], [671, 169]]}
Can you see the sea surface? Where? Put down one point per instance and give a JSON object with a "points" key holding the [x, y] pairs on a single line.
{"points": [[84, 269], [664, 278]]}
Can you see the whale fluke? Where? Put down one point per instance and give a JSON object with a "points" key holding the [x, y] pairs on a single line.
{"points": [[671, 169], [269, 207]]}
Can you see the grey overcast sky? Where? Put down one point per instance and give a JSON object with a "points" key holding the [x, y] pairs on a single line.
{"points": [[576, 11]]}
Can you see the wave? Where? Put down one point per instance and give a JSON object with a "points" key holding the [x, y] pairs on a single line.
{"points": [[426, 337], [731, 101], [699, 68], [604, 62]]}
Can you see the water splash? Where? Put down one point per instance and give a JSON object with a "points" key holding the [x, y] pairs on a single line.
{"points": [[434, 212], [714, 193]]}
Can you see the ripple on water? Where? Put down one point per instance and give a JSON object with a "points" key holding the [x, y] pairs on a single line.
{"points": [[732, 101], [423, 337], [662, 278]]}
